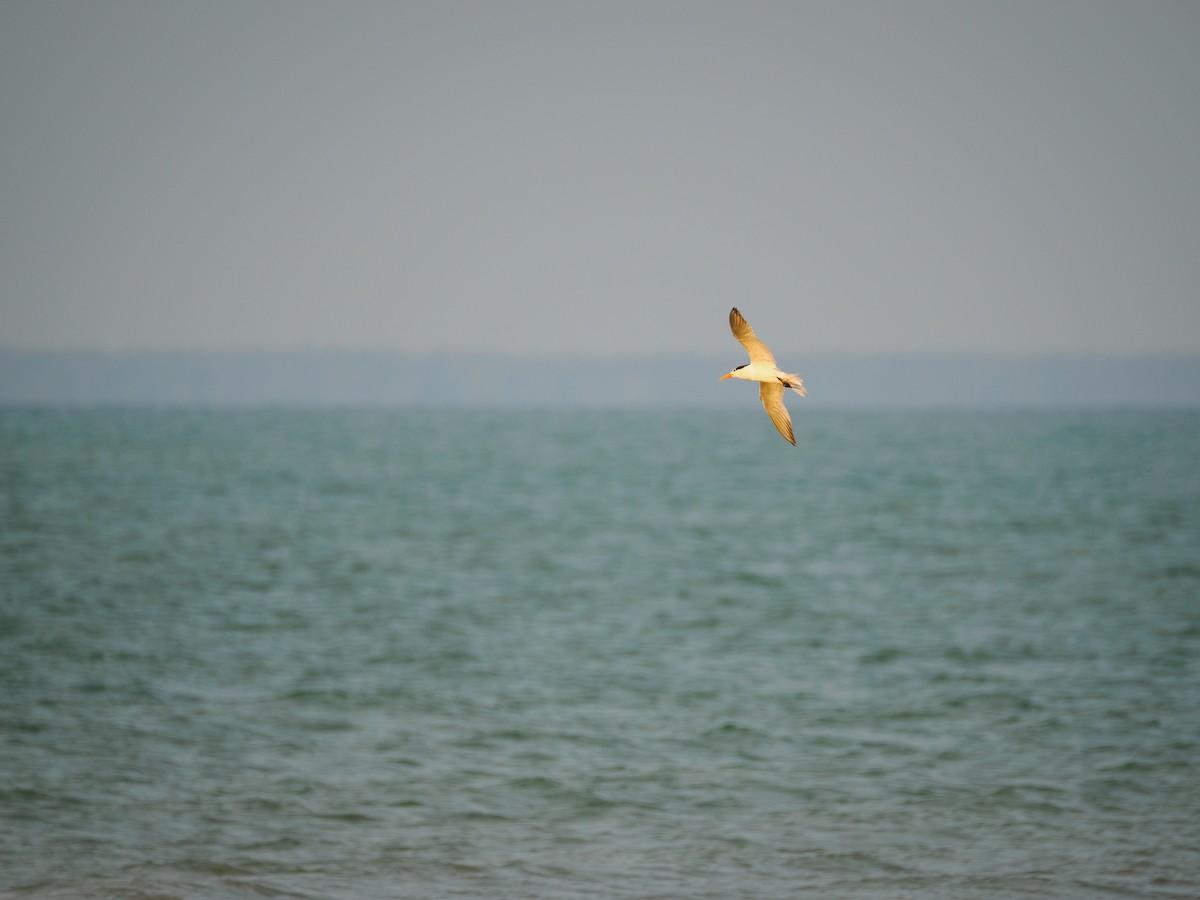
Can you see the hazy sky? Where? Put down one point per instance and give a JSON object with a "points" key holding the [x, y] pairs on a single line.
{"points": [[601, 178]]}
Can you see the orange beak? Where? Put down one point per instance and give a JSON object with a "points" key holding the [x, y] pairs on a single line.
{"points": [[726, 375]]}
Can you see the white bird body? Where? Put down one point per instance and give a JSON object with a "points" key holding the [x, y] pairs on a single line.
{"points": [[762, 368]]}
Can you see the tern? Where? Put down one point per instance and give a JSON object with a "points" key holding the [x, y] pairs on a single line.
{"points": [[762, 369]]}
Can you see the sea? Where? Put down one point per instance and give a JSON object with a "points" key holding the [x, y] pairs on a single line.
{"points": [[599, 653]]}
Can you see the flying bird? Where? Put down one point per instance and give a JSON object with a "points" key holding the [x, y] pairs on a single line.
{"points": [[762, 369]]}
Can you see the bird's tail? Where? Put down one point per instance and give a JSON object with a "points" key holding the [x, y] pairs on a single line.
{"points": [[796, 383]]}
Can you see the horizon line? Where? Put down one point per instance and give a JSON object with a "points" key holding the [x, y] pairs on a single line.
{"points": [[332, 350]]}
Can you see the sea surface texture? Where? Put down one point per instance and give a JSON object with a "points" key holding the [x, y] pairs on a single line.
{"points": [[421, 654]]}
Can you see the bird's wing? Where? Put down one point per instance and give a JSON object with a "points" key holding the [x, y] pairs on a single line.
{"points": [[771, 395], [746, 337]]}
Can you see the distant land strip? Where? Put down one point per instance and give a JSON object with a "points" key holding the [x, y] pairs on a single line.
{"points": [[393, 378]]}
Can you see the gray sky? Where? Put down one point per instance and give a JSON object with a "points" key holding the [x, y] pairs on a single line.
{"points": [[601, 178]]}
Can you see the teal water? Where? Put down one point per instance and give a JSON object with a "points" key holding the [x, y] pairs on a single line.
{"points": [[391, 654]]}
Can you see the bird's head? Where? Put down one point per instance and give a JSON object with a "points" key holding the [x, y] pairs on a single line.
{"points": [[733, 373]]}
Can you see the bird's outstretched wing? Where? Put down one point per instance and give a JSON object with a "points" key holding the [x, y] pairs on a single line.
{"points": [[771, 395], [746, 337]]}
